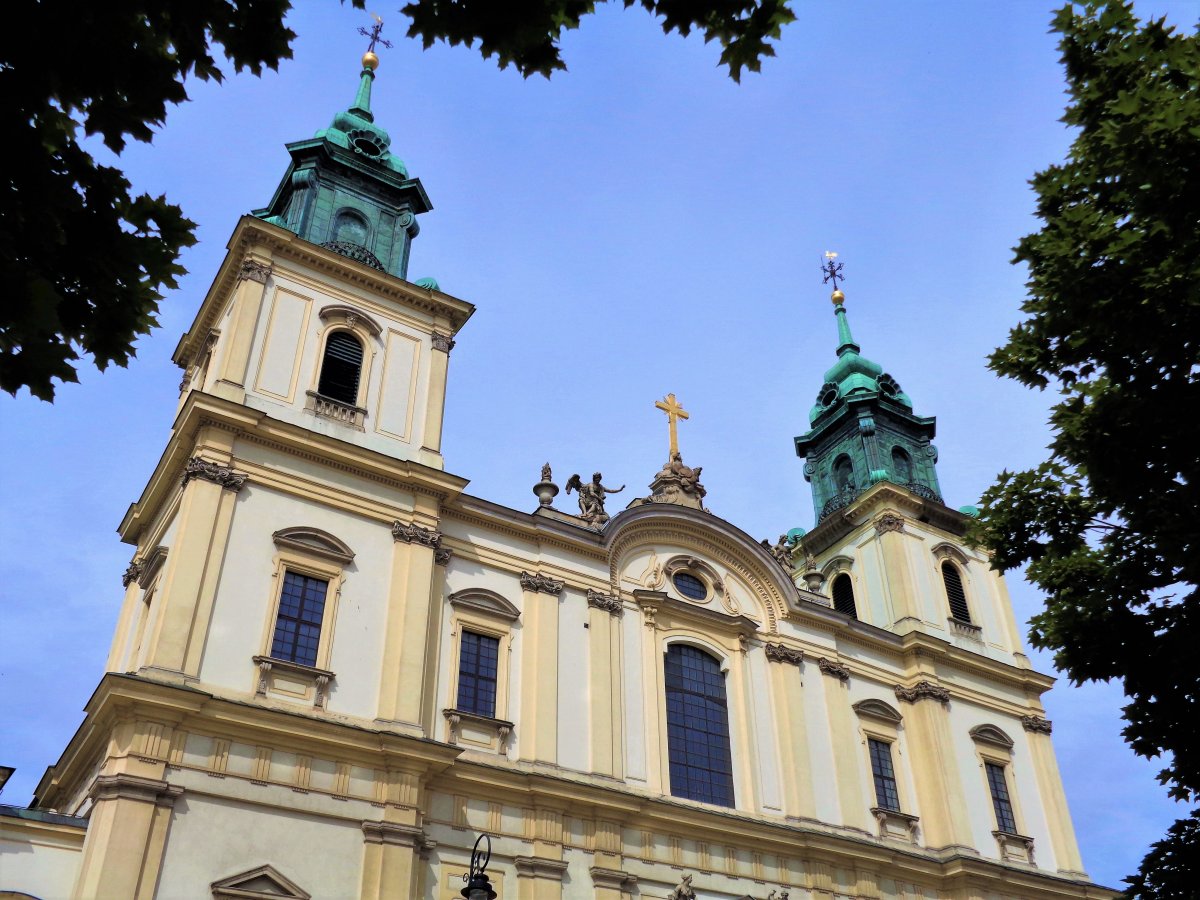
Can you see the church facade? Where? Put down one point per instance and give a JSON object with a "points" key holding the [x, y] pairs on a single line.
{"points": [[334, 668]]}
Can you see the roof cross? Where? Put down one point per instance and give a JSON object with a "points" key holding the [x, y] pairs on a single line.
{"points": [[674, 412], [832, 269], [373, 34]]}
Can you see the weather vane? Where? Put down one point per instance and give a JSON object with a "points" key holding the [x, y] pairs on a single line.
{"points": [[373, 34], [832, 269]]}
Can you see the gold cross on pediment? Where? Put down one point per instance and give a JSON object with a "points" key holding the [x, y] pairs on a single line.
{"points": [[674, 412]]}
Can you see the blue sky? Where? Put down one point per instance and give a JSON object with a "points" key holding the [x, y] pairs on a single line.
{"points": [[638, 225]]}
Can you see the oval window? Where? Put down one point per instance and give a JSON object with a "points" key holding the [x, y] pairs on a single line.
{"points": [[690, 586]]}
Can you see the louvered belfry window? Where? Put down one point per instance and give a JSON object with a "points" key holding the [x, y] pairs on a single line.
{"points": [[955, 593], [843, 595], [341, 368], [698, 727]]}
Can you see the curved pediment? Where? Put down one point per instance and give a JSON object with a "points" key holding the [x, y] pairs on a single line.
{"points": [[313, 540], [990, 734], [673, 533], [877, 709], [481, 600]]}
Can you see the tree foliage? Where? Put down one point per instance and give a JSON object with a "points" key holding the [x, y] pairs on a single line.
{"points": [[83, 259], [1108, 524]]}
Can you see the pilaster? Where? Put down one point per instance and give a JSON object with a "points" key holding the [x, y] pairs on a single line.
{"points": [[439, 366], [606, 695], [404, 672], [390, 860], [897, 570], [1054, 800], [247, 306], [193, 567], [539, 878], [539, 668], [126, 836], [843, 733], [786, 671]]}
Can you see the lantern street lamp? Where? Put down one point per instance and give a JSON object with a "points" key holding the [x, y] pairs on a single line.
{"points": [[478, 887]]}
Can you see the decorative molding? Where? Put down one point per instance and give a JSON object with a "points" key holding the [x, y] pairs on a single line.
{"points": [[307, 539], [134, 787], [836, 670], [877, 709], [1037, 724], [214, 472], [540, 868], [606, 602], [441, 555], [132, 573], [481, 600], [393, 833], [780, 653], [990, 734], [613, 879], [263, 883], [922, 690], [895, 824], [889, 522], [966, 629], [150, 566], [542, 584], [443, 342], [343, 413], [1015, 847], [252, 270], [352, 318], [319, 677], [455, 718], [412, 533]]}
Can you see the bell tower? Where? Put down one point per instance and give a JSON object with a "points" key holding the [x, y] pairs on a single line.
{"points": [[863, 429]]}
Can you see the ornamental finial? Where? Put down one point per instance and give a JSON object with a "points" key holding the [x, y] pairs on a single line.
{"points": [[369, 59], [833, 272]]}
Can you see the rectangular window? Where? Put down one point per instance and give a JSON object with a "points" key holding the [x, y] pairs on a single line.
{"points": [[1005, 820], [885, 777], [298, 625], [477, 664]]}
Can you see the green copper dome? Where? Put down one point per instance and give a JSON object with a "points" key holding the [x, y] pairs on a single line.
{"points": [[348, 192], [863, 431]]}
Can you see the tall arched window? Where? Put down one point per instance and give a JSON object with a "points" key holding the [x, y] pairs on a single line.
{"points": [[698, 727], [901, 466], [843, 595], [341, 368], [843, 474], [955, 593]]}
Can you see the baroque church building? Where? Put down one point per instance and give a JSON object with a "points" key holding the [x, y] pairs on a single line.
{"points": [[334, 668]]}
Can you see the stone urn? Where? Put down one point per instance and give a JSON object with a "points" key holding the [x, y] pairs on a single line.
{"points": [[546, 491]]}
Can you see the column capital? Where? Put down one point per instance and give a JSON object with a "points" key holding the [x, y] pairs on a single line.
{"points": [[542, 584], [614, 879], [412, 533], [1037, 724], [539, 867], [922, 690], [780, 653], [833, 669], [393, 833], [443, 342], [253, 270], [214, 472], [606, 602], [135, 787], [889, 522]]}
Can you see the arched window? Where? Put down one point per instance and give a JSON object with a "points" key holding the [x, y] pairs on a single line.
{"points": [[350, 227], [341, 368], [955, 593], [843, 595], [843, 474], [698, 727], [901, 466]]}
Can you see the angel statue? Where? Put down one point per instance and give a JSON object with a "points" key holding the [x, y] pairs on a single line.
{"points": [[591, 498]]}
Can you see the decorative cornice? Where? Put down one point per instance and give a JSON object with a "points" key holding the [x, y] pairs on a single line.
{"points": [[443, 342], [837, 670], [214, 472], [392, 833], [542, 584], [252, 270], [922, 690], [134, 787], [132, 574], [606, 602], [780, 653], [889, 522], [539, 867], [613, 879], [1037, 724], [412, 533], [441, 555]]}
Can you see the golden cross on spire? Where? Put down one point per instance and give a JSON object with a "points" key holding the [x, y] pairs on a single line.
{"points": [[674, 412]]}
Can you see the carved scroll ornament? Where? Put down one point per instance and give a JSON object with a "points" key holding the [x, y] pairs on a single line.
{"points": [[541, 584], [922, 690], [214, 472], [412, 533], [780, 653], [1037, 724], [606, 602]]}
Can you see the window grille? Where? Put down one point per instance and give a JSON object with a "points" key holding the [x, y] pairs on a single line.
{"points": [[341, 368], [298, 625], [843, 595], [886, 796], [477, 668], [955, 593], [1005, 821], [698, 727], [690, 586]]}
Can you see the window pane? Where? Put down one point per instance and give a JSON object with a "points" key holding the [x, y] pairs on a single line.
{"points": [[698, 727], [1005, 821], [477, 666], [886, 796], [298, 625]]}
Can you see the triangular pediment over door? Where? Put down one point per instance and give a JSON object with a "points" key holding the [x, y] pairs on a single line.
{"points": [[263, 883]]}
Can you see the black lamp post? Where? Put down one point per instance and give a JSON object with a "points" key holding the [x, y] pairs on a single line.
{"points": [[478, 887]]}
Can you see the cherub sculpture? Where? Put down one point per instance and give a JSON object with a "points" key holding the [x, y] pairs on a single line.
{"points": [[591, 498]]}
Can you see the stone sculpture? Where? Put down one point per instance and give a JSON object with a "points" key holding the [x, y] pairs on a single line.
{"points": [[591, 498], [683, 890]]}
